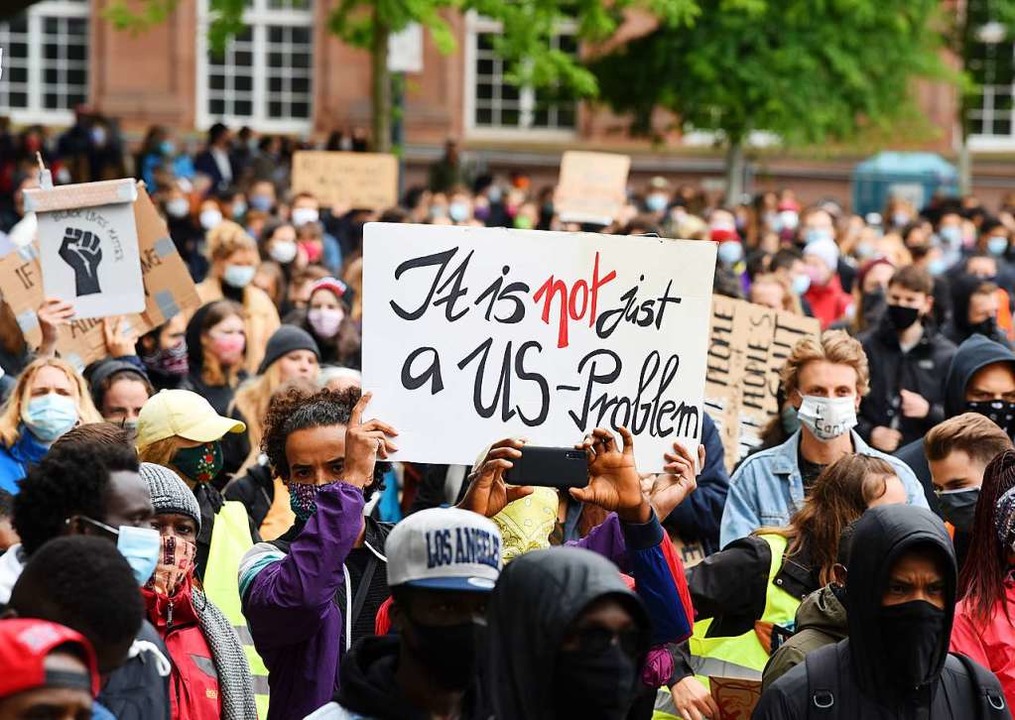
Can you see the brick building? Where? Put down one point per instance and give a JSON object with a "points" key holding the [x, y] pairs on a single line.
{"points": [[288, 74]]}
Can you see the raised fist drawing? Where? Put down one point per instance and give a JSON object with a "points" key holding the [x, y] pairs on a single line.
{"points": [[80, 249]]}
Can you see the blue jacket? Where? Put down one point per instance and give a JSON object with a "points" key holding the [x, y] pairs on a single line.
{"points": [[768, 488], [16, 460]]}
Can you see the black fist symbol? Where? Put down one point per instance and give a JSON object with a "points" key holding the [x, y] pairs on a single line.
{"points": [[80, 249]]}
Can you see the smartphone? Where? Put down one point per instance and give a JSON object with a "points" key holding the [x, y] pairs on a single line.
{"points": [[549, 467]]}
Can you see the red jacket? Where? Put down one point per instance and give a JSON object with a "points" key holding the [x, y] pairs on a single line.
{"points": [[829, 303], [992, 644], [194, 685]]}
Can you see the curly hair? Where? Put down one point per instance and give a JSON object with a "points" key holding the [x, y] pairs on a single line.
{"points": [[71, 480], [835, 347], [299, 408]]}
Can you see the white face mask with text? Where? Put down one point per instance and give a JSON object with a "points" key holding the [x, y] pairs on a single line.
{"points": [[827, 418]]}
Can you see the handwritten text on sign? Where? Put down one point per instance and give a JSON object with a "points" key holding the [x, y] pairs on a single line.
{"points": [[475, 334]]}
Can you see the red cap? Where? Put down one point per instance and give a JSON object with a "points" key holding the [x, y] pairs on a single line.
{"points": [[789, 205], [329, 283], [24, 646]]}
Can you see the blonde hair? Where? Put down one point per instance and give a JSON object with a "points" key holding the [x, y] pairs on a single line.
{"points": [[226, 238], [160, 452], [790, 302], [10, 416], [253, 398], [836, 347], [353, 278]]}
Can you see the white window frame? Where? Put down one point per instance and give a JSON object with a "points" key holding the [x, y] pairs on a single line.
{"points": [[474, 25], [35, 113], [998, 143], [257, 18]]}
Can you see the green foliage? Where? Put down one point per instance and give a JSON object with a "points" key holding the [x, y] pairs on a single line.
{"points": [[808, 70]]}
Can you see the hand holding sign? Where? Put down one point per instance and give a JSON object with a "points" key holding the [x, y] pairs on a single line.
{"points": [[614, 483], [364, 442], [80, 249], [120, 339], [52, 314], [488, 494]]}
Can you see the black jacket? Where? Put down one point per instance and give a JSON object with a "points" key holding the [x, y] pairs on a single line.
{"points": [[920, 370], [136, 690], [959, 330], [256, 490]]}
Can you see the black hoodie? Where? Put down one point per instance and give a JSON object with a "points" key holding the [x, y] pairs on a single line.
{"points": [[537, 598], [959, 329]]}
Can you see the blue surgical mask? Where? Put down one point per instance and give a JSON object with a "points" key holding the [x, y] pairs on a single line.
{"points": [[49, 416], [494, 194], [731, 252], [458, 211], [239, 276], [950, 235], [239, 210], [801, 284], [656, 203], [140, 547], [937, 266], [167, 147], [816, 234], [261, 202], [997, 245]]}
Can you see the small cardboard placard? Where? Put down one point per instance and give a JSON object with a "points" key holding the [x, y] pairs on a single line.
{"points": [[736, 698], [592, 187], [367, 181], [168, 289], [749, 345], [88, 246]]}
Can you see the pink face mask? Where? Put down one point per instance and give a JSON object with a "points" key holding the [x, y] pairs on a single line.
{"points": [[229, 348], [325, 321]]}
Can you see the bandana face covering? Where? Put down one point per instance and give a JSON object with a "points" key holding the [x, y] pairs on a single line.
{"points": [[303, 499], [201, 464], [176, 564]]}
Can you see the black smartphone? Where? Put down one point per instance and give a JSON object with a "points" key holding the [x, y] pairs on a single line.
{"points": [[549, 467]]}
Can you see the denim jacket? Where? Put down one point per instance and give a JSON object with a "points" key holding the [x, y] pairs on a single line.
{"points": [[768, 488]]}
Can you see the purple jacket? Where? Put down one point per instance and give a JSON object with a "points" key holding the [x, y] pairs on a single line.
{"points": [[289, 603]]}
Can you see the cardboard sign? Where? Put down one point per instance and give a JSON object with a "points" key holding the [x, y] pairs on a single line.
{"points": [[736, 698], [366, 181], [749, 345], [168, 290], [592, 187], [471, 335], [88, 246]]}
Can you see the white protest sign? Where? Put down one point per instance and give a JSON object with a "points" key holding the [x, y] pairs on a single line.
{"points": [[88, 246], [471, 335]]}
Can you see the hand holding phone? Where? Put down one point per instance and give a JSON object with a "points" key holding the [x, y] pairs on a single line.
{"points": [[488, 492], [614, 483], [554, 467]]}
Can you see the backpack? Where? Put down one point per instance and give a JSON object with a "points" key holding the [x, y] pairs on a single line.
{"points": [[825, 701]]}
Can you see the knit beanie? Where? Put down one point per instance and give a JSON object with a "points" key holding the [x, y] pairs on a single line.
{"points": [[169, 493], [825, 249], [286, 339]]}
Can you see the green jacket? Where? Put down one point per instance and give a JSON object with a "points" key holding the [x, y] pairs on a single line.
{"points": [[820, 620]]}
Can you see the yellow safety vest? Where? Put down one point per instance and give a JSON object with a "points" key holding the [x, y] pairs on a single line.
{"points": [[740, 656], [230, 541]]}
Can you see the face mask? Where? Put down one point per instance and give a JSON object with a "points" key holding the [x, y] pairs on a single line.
{"points": [[283, 251], [523, 222], [999, 412], [312, 250], [986, 327], [816, 234], [239, 210], [599, 686], [177, 208], [937, 266], [238, 276], [200, 464], [997, 245], [494, 194], [459, 212], [302, 216], [656, 203], [902, 318], [864, 251], [175, 565], [228, 348], [959, 507], [950, 235], [138, 546], [827, 418], [448, 652], [790, 421], [303, 499], [912, 639], [900, 219], [171, 361], [261, 202], [50, 416], [99, 136], [166, 147], [210, 218], [801, 284], [438, 211], [789, 220], [325, 321], [731, 252]]}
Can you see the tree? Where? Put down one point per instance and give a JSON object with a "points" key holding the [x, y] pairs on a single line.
{"points": [[807, 70], [528, 26]]}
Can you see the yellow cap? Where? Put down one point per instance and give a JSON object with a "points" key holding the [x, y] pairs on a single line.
{"points": [[182, 413]]}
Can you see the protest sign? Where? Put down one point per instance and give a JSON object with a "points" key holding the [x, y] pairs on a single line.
{"points": [[168, 289], [347, 179], [88, 246], [749, 345], [592, 187], [471, 335], [736, 698]]}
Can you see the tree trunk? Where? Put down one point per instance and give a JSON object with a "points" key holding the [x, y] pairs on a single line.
{"points": [[381, 88], [734, 172]]}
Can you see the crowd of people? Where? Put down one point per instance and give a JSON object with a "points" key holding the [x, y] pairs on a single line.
{"points": [[205, 523]]}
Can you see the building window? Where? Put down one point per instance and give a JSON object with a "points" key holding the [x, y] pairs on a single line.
{"points": [[264, 77], [494, 104], [45, 62], [991, 63]]}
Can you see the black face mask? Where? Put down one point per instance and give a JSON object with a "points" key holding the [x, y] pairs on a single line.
{"points": [[902, 318], [959, 507], [448, 652], [913, 642], [985, 327], [873, 300], [599, 686], [999, 412]]}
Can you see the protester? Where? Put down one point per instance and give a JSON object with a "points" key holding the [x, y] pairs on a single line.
{"points": [[196, 633], [216, 348], [975, 311], [900, 601], [215, 162], [824, 380], [119, 390], [8, 536], [49, 399], [163, 351], [326, 250], [327, 320], [827, 300]]}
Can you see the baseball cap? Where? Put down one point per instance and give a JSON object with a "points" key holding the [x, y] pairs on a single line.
{"points": [[444, 549], [183, 413], [24, 646]]}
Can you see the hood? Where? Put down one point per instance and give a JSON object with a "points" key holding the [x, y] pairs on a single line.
{"points": [[962, 290], [973, 354], [367, 680], [822, 611], [537, 598], [195, 353], [882, 535]]}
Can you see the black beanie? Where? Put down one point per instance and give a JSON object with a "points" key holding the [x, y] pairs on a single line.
{"points": [[284, 340]]}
